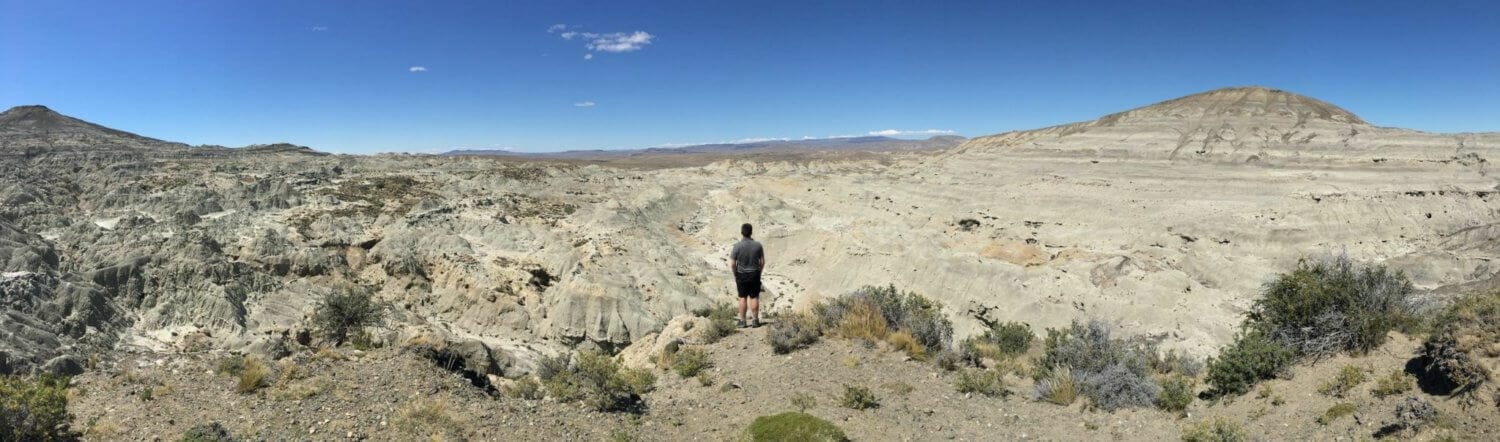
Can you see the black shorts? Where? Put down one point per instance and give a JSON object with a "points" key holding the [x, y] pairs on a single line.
{"points": [[748, 284]]}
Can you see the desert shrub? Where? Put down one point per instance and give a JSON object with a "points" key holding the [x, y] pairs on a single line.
{"points": [[803, 401], [346, 313], [903, 341], [551, 366], [254, 375], [34, 408], [858, 398], [1000, 340], [793, 426], [523, 388], [723, 320], [947, 360], [1460, 340], [985, 382], [1251, 358], [1343, 382], [1113, 373], [688, 362], [1176, 394], [429, 417], [1336, 412], [1118, 386], [643, 381], [211, 432], [1325, 307], [1218, 429], [1413, 414], [1060, 386], [1172, 362], [230, 365], [792, 333], [597, 380], [862, 321], [1398, 382], [906, 311]]}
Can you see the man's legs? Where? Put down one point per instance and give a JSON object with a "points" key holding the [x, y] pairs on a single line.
{"points": [[742, 309], [754, 308]]}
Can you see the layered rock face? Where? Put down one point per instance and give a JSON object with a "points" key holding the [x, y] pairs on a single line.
{"points": [[1164, 219]]}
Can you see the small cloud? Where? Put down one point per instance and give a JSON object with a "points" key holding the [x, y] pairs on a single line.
{"points": [[319, 28], [620, 42], [894, 132], [584, 104], [588, 56], [614, 42], [417, 69]]}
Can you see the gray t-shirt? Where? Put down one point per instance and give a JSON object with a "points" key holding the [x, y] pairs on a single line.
{"points": [[747, 255]]}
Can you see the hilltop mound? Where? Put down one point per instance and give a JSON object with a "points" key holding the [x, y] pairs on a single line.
{"points": [[1237, 103], [36, 126]]}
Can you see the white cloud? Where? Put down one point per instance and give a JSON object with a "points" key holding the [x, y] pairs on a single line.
{"points": [[620, 42], [417, 69], [894, 132], [319, 28], [584, 104], [614, 42], [588, 56]]}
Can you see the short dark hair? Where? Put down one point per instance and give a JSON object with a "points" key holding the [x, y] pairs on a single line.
{"points": [[746, 229]]}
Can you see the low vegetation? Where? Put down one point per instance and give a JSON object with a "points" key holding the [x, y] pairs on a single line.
{"points": [[980, 381], [596, 379], [803, 402], [1344, 382], [688, 362], [523, 388], [722, 321], [344, 314], [211, 432], [1176, 394], [1337, 412], [429, 418], [872, 312], [1461, 340], [1414, 414], [1398, 382], [793, 332], [1112, 373], [1059, 387], [793, 426], [1251, 358], [34, 408], [858, 398], [1218, 429], [999, 341], [253, 376]]}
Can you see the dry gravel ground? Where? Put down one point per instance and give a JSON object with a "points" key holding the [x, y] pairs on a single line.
{"points": [[374, 395]]}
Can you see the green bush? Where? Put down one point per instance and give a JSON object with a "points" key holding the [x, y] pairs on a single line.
{"points": [[253, 376], [1460, 334], [343, 314], [723, 320], [1118, 386], [523, 388], [1251, 358], [858, 398], [985, 382], [1336, 412], [1343, 382], [1000, 340], [1176, 394], [688, 362], [1398, 382], [213, 432], [793, 426], [1325, 307], [34, 408], [597, 380], [1218, 429], [904, 311], [793, 332], [1113, 373]]}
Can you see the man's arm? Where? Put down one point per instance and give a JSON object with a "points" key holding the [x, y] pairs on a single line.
{"points": [[762, 260]]}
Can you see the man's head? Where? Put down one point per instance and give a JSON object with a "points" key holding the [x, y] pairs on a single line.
{"points": [[746, 229]]}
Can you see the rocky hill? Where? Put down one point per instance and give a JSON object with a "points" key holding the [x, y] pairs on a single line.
{"points": [[1164, 219]]}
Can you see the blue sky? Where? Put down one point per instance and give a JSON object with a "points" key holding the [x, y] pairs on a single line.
{"points": [[339, 76]]}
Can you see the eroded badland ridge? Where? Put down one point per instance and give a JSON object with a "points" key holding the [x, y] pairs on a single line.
{"points": [[1165, 220]]}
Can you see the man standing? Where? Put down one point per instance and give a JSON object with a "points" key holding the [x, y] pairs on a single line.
{"points": [[747, 260]]}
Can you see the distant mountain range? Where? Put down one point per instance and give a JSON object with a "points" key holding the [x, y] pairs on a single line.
{"points": [[865, 144]]}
